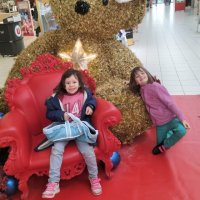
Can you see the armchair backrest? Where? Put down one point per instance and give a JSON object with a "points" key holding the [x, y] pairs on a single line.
{"points": [[28, 96]]}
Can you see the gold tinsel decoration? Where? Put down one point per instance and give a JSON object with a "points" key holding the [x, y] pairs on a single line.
{"points": [[110, 68]]}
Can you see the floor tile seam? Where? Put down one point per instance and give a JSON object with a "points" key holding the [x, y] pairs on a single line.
{"points": [[171, 57], [159, 58], [181, 51], [194, 74], [175, 65], [192, 49]]}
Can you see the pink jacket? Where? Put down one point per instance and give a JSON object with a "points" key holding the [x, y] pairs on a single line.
{"points": [[160, 104]]}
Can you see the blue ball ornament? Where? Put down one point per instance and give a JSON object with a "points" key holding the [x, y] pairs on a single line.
{"points": [[115, 158], [11, 185], [1, 115]]}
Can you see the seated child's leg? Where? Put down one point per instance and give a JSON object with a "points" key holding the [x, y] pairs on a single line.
{"points": [[168, 135], [178, 132], [90, 159], [56, 161], [52, 188], [161, 133]]}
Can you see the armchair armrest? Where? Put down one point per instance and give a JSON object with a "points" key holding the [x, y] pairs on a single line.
{"points": [[14, 134], [105, 116]]}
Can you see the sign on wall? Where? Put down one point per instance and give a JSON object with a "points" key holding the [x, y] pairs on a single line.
{"points": [[26, 18]]}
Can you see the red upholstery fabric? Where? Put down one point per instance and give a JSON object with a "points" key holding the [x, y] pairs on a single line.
{"points": [[21, 130]]}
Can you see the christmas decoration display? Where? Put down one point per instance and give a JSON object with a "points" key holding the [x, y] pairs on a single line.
{"points": [[95, 23]]}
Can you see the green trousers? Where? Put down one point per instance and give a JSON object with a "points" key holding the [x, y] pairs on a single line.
{"points": [[170, 133]]}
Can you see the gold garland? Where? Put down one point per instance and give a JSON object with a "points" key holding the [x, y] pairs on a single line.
{"points": [[113, 64]]}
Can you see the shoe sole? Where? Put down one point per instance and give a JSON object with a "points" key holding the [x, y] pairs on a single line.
{"points": [[50, 197], [96, 194]]}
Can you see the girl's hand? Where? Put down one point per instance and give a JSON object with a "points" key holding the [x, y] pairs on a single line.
{"points": [[88, 111], [66, 117], [185, 124]]}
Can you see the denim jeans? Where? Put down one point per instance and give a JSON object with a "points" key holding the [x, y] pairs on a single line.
{"points": [[170, 133], [57, 156]]}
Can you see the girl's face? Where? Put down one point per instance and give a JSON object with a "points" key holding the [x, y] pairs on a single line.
{"points": [[141, 77], [72, 84]]}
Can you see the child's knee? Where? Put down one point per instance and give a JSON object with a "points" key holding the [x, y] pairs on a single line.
{"points": [[181, 131]]}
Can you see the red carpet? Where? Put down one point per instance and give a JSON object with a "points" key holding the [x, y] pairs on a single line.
{"points": [[174, 175]]}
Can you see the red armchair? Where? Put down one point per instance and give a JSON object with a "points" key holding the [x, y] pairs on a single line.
{"points": [[21, 130]]}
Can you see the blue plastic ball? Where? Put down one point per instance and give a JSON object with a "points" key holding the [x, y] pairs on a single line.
{"points": [[11, 185], [115, 158], [1, 115]]}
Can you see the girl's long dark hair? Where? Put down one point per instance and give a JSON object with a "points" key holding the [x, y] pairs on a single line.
{"points": [[60, 88], [133, 86]]}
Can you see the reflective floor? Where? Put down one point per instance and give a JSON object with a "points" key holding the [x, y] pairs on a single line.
{"points": [[168, 45], [7, 62]]}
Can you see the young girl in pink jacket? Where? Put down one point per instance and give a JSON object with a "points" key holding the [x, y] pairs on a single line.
{"points": [[166, 116]]}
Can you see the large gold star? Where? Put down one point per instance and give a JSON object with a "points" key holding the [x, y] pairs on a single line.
{"points": [[78, 56]]}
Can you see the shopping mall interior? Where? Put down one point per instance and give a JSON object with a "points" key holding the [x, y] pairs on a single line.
{"points": [[167, 42]]}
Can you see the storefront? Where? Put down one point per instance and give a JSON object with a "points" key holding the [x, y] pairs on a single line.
{"points": [[11, 36], [45, 19]]}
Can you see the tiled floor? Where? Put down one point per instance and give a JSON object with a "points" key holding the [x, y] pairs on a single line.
{"points": [[168, 45], [7, 62]]}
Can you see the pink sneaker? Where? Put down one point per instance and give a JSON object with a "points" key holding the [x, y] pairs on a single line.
{"points": [[51, 190], [95, 186]]}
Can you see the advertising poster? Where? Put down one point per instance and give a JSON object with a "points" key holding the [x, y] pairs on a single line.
{"points": [[26, 18], [46, 17]]}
